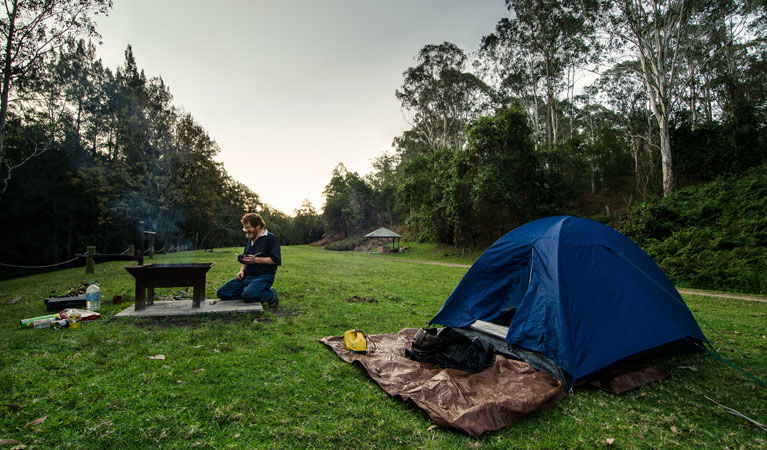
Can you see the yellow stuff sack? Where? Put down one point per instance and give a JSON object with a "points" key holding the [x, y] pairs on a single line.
{"points": [[355, 341]]}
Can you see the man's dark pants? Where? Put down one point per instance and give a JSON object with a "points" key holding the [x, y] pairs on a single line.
{"points": [[250, 289]]}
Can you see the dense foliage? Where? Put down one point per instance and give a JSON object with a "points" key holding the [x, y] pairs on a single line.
{"points": [[709, 236], [346, 244], [118, 152]]}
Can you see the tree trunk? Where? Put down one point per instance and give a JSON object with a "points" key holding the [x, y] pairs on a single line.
{"points": [[665, 156], [6, 87], [707, 102], [550, 128]]}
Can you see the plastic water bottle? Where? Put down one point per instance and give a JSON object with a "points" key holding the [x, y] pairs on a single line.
{"points": [[93, 297]]}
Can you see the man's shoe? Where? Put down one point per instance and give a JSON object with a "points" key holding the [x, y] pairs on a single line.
{"points": [[275, 301]]}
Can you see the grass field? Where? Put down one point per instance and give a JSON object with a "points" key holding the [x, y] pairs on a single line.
{"points": [[242, 382]]}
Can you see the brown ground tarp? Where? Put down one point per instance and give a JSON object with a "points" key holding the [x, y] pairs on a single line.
{"points": [[625, 378], [473, 403]]}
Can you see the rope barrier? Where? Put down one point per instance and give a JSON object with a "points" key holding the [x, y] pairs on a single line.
{"points": [[39, 267]]}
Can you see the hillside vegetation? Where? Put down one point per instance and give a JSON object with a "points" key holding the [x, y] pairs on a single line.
{"points": [[709, 236]]}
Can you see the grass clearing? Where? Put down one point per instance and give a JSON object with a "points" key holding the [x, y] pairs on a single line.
{"points": [[431, 252], [237, 381]]}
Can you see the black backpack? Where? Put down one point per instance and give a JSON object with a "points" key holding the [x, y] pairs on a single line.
{"points": [[448, 348]]}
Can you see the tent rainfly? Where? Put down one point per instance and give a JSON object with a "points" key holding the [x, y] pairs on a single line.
{"points": [[386, 235]]}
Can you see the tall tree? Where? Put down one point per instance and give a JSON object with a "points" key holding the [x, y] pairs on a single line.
{"points": [[659, 33], [621, 90], [534, 52], [441, 96], [502, 174], [30, 30], [349, 203], [307, 224], [384, 180]]}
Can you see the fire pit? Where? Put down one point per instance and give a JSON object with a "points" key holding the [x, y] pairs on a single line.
{"points": [[168, 275]]}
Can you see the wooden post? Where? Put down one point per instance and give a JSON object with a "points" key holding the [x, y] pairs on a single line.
{"points": [[90, 265], [140, 247], [132, 250], [140, 297], [151, 246]]}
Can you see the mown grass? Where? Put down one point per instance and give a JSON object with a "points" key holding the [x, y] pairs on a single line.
{"points": [[242, 382], [431, 252]]}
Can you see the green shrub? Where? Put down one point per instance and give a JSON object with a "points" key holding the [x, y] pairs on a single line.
{"points": [[709, 236], [347, 244]]}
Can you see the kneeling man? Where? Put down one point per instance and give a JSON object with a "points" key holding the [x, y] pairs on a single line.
{"points": [[253, 283]]}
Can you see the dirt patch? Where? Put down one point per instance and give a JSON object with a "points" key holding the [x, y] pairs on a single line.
{"points": [[358, 299], [284, 312], [748, 298], [435, 263], [192, 321]]}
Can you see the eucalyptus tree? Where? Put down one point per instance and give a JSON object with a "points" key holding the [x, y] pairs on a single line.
{"points": [[30, 30], [349, 203], [620, 90], [440, 96], [513, 68], [384, 181], [658, 34], [307, 224], [735, 44], [534, 53]]}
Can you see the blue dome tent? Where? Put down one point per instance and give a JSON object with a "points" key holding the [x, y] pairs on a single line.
{"points": [[581, 294]]}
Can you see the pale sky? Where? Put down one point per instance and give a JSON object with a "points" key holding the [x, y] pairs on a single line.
{"points": [[290, 88]]}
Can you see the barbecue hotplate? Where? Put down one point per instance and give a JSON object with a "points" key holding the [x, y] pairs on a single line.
{"points": [[168, 275]]}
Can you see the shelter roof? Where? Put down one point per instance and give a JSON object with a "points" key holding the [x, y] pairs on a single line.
{"points": [[383, 233]]}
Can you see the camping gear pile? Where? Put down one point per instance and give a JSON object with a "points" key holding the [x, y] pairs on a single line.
{"points": [[473, 403], [450, 349], [572, 300]]}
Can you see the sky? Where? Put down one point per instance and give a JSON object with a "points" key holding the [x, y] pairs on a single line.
{"points": [[289, 88]]}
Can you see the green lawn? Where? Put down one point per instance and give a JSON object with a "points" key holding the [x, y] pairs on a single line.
{"points": [[431, 252], [238, 382]]}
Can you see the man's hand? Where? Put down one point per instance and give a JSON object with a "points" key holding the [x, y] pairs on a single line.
{"points": [[254, 259], [240, 276], [248, 259]]}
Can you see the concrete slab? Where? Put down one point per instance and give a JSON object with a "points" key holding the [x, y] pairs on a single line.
{"points": [[184, 308]]}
